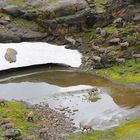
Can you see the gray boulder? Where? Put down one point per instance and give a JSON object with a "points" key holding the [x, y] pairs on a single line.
{"points": [[6, 37], [13, 10], [65, 8], [66, 16], [12, 133], [10, 55]]}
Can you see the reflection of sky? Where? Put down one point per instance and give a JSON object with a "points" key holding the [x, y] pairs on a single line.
{"points": [[26, 90], [103, 114]]}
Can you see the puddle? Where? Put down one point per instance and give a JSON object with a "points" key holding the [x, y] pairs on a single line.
{"points": [[62, 89]]}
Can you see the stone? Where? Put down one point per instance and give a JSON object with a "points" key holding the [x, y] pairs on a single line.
{"points": [[12, 133], [114, 41], [30, 15], [136, 18], [66, 16], [10, 55], [13, 10], [64, 8], [118, 22], [6, 37]]}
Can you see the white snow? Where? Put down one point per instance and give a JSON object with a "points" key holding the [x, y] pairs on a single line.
{"points": [[39, 53]]}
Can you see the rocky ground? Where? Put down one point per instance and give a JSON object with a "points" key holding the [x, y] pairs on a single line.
{"points": [[20, 120], [106, 32]]}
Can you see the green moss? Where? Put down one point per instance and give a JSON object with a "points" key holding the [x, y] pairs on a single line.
{"points": [[24, 22], [18, 114], [91, 34], [128, 72], [100, 2], [52, 1], [18, 2], [123, 132]]}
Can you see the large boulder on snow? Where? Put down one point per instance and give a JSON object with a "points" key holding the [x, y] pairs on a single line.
{"points": [[10, 55]]}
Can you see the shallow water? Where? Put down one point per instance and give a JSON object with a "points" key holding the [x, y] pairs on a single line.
{"points": [[61, 88]]}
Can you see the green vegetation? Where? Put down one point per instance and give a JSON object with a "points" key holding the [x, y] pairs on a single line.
{"points": [[100, 2], [93, 98], [18, 114], [123, 132], [128, 72], [24, 22], [89, 35], [18, 2]]}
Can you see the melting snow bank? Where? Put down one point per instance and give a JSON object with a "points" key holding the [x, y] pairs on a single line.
{"points": [[29, 54]]}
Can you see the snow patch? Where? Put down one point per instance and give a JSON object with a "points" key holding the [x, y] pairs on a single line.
{"points": [[39, 53]]}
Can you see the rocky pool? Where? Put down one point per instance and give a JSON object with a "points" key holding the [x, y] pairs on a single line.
{"points": [[62, 88]]}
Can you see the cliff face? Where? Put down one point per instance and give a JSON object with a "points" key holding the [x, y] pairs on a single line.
{"points": [[124, 8]]}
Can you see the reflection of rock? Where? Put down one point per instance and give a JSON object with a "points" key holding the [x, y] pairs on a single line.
{"points": [[10, 55]]}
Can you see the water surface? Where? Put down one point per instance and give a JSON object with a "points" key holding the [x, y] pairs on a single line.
{"points": [[63, 88]]}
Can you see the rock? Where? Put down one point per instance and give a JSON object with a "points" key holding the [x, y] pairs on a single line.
{"points": [[120, 60], [6, 37], [136, 18], [70, 39], [10, 55], [136, 56], [118, 22], [13, 10], [9, 125], [124, 45], [30, 15], [66, 16], [98, 30], [12, 133], [97, 58], [114, 41], [64, 8], [75, 110], [3, 102], [33, 36], [103, 33], [5, 121]]}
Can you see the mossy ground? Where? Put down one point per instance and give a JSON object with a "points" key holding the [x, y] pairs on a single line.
{"points": [[18, 2], [17, 112], [128, 131], [128, 72]]}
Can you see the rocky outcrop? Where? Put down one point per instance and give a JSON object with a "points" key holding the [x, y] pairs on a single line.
{"points": [[66, 16], [125, 9]]}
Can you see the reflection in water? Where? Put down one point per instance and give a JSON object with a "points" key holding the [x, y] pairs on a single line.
{"points": [[123, 96], [69, 89]]}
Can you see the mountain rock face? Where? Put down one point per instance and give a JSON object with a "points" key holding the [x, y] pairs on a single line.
{"points": [[128, 9], [66, 16]]}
